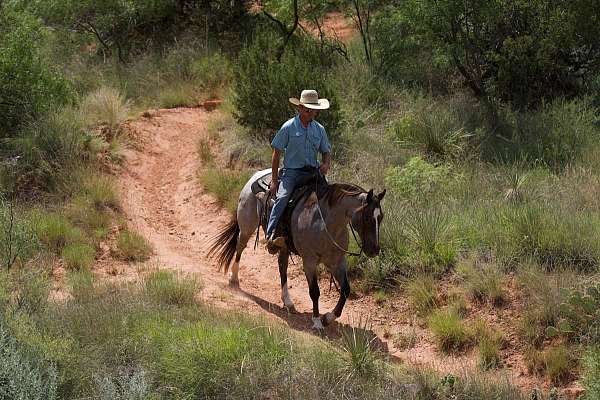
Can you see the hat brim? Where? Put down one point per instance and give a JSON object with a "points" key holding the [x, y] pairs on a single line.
{"points": [[323, 104]]}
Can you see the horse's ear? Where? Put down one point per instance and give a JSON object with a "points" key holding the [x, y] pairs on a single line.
{"points": [[380, 195], [370, 196]]}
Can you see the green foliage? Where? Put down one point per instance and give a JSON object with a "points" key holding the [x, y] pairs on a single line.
{"points": [[55, 231], [358, 341], [126, 386], [225, 185], [422, 294], [591, 374], [170, 288], [23, 374], [262, 104], [131, 246], [78, 256], [81, 283], [434, 128], [506, 52], [489, 343], [580, 316], [30, 84], [449, 330], [417, 179], [31, 287]]}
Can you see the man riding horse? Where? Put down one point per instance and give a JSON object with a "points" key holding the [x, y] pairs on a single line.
{"points": [[300, 139]]}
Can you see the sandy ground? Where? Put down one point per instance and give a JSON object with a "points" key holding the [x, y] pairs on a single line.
{"points": [[164, 200]]}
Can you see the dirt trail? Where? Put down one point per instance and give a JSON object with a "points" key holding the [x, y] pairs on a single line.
{"points": [[164, 200]]}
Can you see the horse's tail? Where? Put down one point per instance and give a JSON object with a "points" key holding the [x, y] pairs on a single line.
{"points": [[225, 244]]}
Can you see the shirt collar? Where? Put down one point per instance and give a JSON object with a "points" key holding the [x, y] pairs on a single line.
{"points": [[299, 123]]}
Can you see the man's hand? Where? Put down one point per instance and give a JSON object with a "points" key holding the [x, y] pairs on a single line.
{"points": [[273, 187], [323, 168]]}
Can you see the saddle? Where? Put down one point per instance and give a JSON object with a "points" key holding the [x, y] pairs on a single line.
{"points": [[265, 203]]}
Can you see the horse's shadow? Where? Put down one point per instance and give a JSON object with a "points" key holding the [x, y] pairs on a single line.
{"points": [[302, 321]]}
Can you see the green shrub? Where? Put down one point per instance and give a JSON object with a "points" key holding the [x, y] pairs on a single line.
{"points": [[171, 288], [422, 294], [30, 84], [262, 104], [418, 179], [78, 256], [225, 185], [24, 375], [449, 331], [132, 246]]}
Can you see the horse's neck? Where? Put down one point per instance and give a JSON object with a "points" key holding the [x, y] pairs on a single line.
{"points": [[339, 214]]}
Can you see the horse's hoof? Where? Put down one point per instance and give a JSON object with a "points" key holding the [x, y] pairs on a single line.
{"points": [[290, 308], [234, 283], [317, 324], [328, 318]]}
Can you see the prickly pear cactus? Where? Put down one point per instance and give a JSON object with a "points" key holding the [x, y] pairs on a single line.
{"points": [[580, 316]]}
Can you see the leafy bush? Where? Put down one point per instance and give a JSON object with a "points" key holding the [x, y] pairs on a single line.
{"points": [[132, 246], [24, 375], [171, 288], [417, 179], [262, 104], [449, 330], [78, 256], [29, 83]]}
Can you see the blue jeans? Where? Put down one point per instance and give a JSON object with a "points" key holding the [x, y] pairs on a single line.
{"points": [[288, 181]]}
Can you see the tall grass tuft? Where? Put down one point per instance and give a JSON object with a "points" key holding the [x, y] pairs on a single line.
{"points": [[106, 105], [225, 185], [55, 230], [357, 341], [170, 288], [422, 294], [449, 330], [78, 256], [484, 283], [131, 246]]}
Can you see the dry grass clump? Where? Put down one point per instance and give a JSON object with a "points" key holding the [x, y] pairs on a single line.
{"points": [[106, 105], [449, 330], [422, 294], [131, 246]]}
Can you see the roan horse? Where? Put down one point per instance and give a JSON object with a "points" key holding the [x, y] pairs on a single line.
{"points": [[320, 235]]}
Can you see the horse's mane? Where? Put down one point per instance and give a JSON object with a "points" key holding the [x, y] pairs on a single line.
{"points": [[337, 191]]}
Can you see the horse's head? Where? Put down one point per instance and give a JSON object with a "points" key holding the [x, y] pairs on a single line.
{"points": [[366, 220]]}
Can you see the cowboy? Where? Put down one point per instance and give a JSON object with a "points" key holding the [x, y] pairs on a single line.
{"points": [[299, 139]]}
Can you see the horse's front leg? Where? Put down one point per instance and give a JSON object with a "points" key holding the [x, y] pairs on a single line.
{"points": [[341, 276], [283, 266], [310, 270]]}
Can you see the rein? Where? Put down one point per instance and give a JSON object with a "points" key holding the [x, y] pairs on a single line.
{"points": [[331, 237]]}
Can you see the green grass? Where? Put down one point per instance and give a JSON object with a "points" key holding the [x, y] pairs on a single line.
{"points": [[449, 331], [171, 288], [81, 283], [484, 284], [131, 246], [101, 191], [182, 95], [422, 294], [205, 152], [489, 344], [106, 105], [55, 231], [78, 256], [225, 185]]}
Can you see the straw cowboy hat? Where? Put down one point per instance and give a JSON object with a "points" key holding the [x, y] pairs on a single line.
{"points": [[310, 99]]}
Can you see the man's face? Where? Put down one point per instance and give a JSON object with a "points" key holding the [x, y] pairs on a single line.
{"points": [[308, 113]]}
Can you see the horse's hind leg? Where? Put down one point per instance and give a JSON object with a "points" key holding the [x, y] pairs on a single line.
{"points": [[235, 268], [341, 276]]}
